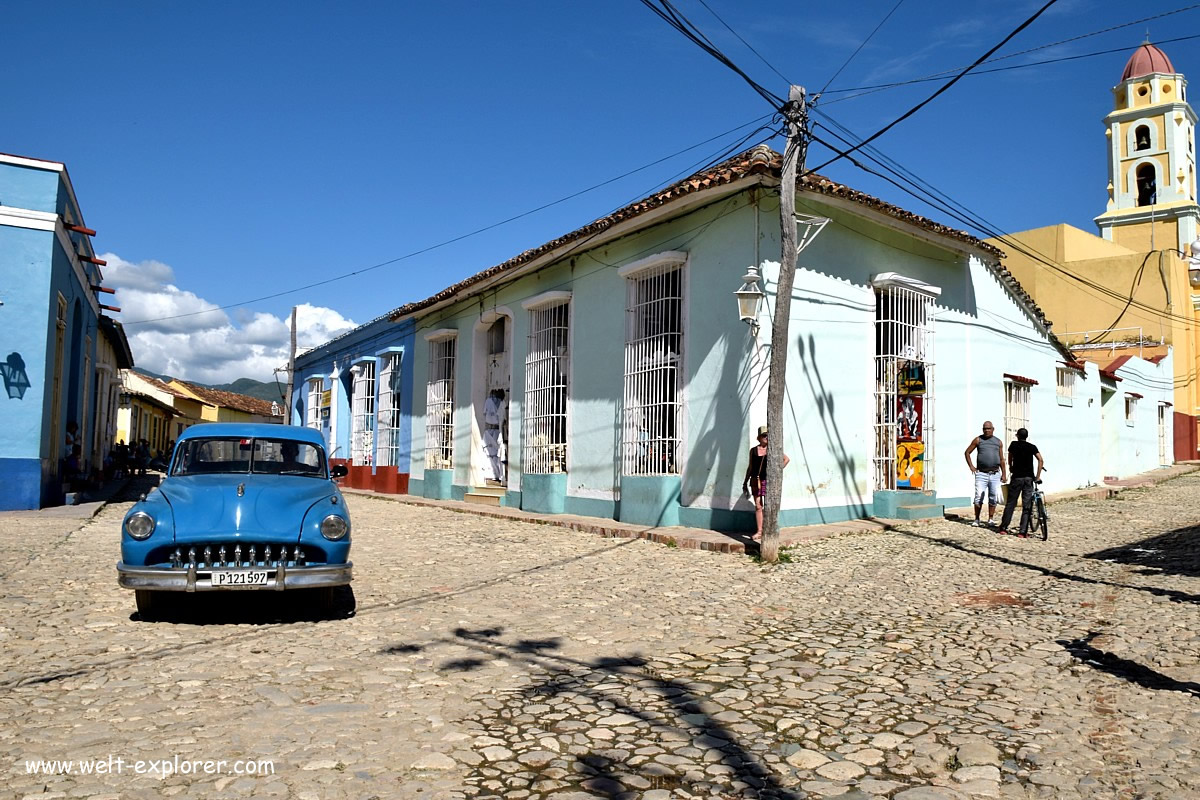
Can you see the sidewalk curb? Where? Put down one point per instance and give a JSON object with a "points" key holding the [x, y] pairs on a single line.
{"points": [[741, 544]]}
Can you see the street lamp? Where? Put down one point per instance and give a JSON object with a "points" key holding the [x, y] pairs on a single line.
{"points": [[749, 298]]}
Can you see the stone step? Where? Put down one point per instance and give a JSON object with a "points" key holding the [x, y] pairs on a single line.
{"points": [[924, 511], [485, 496]]}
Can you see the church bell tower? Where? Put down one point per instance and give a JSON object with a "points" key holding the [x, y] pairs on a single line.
{"points": [[1151, 158]]}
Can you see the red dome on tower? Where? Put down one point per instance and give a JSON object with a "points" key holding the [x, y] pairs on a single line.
{"points": [[1147, 59]]}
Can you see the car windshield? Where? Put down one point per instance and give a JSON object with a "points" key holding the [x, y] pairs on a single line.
{"points": [[241, 455]]}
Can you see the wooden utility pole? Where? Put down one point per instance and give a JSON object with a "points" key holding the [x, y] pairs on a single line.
{"points": [[795, 114], [288, 404]]}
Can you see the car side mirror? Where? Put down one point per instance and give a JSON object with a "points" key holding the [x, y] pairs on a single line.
{"points": [[339, 471]]}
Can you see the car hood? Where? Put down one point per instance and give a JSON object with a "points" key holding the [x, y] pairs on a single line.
{"points": [[271, 508]]}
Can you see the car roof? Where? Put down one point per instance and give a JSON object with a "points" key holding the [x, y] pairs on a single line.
{"points": [[252, 429]]}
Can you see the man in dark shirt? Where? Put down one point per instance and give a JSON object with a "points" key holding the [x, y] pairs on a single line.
{"points": [[1021, 454]]}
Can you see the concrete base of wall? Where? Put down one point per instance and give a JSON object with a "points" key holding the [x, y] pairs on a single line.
{"points": [[388, 480], [360, 477], [22, 482], [439, 484], [901, 504], [544, 494], [650, 500]]}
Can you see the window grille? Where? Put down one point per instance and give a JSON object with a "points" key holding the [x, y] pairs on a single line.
{"points": [[363, 412], [1065, 386], [1016, 409], [546, 370], [650, 435], [904, 367], [314, 403], [388, 450], [1163, 459], [1130, 409], [439, 405]]}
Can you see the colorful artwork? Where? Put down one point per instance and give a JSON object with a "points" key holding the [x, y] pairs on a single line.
{"points": [[912, 378], [910, 465], [908, 418]]}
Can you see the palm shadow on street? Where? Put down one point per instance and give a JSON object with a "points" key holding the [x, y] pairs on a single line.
{"points": [[630, 692]]}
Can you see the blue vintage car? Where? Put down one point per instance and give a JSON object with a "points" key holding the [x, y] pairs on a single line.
{"points": [[243, 507]]}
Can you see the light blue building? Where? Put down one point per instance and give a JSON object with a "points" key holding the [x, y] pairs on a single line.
{"points": [[357, 390], [49, 331], [609, 373]]}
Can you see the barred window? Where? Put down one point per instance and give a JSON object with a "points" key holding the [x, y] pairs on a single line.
{"points": [[650, 435], [313, 418], [1065, 386], [1016, 409], [439, 405], [1130, 409], [388, 448], [363, 412], [546, 371]]}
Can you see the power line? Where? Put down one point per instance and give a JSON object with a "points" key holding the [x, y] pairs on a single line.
{"points": [[930, 195], [857, 50], [883, 86], [1081, 36], [673, 17], [749, 46], [455, 239], [943, 88]]}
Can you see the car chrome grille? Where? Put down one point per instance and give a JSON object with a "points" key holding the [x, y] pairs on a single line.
{"points": [[232, 555]]}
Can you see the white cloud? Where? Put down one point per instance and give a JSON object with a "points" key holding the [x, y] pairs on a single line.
{"points": [[178, 333]]}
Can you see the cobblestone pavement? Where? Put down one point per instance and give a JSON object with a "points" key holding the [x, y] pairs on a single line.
{"points": [[489, 658]]}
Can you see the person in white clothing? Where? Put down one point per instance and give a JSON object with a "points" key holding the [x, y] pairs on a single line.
{"points": [[493, 433]]}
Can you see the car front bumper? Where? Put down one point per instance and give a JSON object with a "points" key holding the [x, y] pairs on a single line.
{"points": [[190, 579]]}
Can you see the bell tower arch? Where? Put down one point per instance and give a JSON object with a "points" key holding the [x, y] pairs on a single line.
{"points": [[1151, 157]]}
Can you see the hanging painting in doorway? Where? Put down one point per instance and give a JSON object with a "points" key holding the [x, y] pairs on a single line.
{"points": [[910, 465], [908, 418]]}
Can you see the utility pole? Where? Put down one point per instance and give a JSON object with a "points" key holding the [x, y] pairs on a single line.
{"points": [[795, 114], [287, 410]]}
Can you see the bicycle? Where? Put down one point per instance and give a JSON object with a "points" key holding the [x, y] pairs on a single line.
{"points": [[1041, 518]]}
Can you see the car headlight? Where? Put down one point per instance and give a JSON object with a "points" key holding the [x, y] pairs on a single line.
{"points": [[140, 525], [334, 527]]}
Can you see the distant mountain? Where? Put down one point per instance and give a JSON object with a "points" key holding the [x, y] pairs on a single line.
{"points": [[273, 391]]}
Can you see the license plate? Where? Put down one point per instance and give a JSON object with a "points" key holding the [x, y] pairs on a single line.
{"points": [[240, 577]]}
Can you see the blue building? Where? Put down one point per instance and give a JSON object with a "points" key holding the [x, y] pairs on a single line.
{"points": [[49, 332], [357, 390]]}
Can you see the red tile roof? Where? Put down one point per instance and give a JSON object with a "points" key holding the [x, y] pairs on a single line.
{"points": [[758, 161], [238, 402], [1020, 379]]}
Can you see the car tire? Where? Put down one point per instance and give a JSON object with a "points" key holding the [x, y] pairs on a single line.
{"points": [[150, 604], [324, 600]]}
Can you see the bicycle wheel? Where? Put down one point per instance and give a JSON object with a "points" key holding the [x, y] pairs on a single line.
{"points": [[1043, 520]]}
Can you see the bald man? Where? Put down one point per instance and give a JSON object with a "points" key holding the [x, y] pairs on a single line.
{"points": [[988, 469]]}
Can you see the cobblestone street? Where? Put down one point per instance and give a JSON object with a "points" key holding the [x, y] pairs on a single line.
{"points": [[489, 658]]}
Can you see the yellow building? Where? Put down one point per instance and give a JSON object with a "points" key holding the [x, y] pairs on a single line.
{"points": [[1132, 290], [217, 405]]}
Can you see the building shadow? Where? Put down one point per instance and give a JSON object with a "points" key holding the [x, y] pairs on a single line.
{"points": [[1175, 552], [613, 683], [1083, 651], [1171, 594]]}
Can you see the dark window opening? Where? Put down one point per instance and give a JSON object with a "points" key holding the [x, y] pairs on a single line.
{"points": [[1142, 138], [1147, 185]]}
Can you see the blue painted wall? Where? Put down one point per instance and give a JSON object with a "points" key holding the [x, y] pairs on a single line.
{"points": [[34, 270], [27, 188]]}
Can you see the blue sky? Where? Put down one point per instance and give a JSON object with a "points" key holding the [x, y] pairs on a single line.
{"points": [[228, 151]]}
